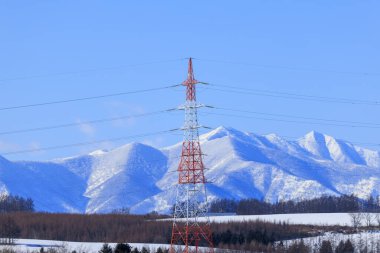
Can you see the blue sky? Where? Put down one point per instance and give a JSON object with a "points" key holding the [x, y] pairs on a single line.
{"points": [[57, 50]]}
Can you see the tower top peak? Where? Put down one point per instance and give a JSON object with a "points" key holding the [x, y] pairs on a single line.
{"points": [[190, 74]]}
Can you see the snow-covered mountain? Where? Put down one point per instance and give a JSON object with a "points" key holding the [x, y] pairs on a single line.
{"points": [[239, 165]]}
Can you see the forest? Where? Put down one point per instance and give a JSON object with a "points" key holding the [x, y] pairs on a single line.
{"points": [[324, 204], [144, 229], [252, 236], [10, 203], [137, 228], [18, 220]]}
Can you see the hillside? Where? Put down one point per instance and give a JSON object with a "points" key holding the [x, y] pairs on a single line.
{"points": [[239, 165]]}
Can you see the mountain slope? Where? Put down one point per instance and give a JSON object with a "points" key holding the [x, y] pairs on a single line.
{"points": [[244, 165], [239, 165], [51, 186]]}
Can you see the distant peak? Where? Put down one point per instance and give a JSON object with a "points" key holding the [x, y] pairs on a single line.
{"points": [[98, 152], [133, 146], [223, 129], [226, 129], [220, 132], [130, 145], [273, 136], [312, 139], [314, 134], [319, 137], [136, 144]]}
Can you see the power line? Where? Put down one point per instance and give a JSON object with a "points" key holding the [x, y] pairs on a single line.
{"points": [[292, 68], [370, 124], [97, 121], [86, 98], [340, 99], [303, 97], [87, 143], [87, 70], [288, 121], [138, 136], [295, 137]]}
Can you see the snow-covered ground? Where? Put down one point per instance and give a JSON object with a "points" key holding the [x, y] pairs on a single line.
{"points": [[371, 240], [342, 219], [33, 245], [328, 219]]}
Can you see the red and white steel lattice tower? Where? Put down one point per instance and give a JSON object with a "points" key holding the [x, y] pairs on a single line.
{"points": [[188, 233]]}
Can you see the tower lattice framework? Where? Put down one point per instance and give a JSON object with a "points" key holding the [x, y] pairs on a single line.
{"points": [[188, 233]]}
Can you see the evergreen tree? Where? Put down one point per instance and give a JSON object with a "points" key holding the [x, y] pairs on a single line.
{"points": [[326, 247], [10, 203], [145, 250], [348, 247], [298, 247], [105, 249], [122, 248], [323, 204], [340, 247], [345, 247]]}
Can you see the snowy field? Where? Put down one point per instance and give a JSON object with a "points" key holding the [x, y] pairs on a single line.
{"points": [[329, 219], [369, 240], [32, 245]]}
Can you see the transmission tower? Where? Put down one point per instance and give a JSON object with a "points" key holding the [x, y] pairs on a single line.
{"points": [[188, 233]]}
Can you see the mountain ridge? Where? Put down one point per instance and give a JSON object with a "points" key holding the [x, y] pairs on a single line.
{"points": [[239, 165]]}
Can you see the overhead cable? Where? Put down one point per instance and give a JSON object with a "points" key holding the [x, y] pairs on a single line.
{"points": [[87, 143], [294, 96], [97, 121], [87, 70], [86, 98], [292, 68]]}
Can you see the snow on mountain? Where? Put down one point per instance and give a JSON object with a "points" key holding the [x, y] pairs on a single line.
{"points": [[326, 147], [124, 177], [239, 165], [51, 186]]}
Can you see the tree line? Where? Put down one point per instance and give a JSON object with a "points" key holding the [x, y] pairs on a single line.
{"points": [[10, 203], [253, 236], [324, 204], [298, 246], [139, 229], [326, 247], [126, 248]]}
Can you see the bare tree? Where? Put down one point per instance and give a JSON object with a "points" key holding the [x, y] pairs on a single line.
{"points": [[377, 218], [356, 219], [368, 219], [8, 230]]}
